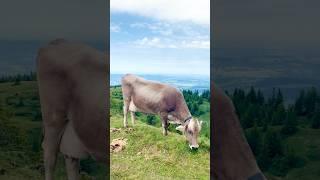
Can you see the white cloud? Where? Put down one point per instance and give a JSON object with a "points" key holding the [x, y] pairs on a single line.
{"points": [[199, 44], [149, 42], [156, 42], [196, 11], [114, 28]]}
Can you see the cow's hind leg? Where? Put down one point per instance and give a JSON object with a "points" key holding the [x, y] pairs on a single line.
{"points": [[164, 120], [51, 141], [132, 109], [73, 167], [133, 117], [53, 108]]}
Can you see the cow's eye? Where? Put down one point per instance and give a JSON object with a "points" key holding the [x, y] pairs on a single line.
{"points": [[190, 132]]}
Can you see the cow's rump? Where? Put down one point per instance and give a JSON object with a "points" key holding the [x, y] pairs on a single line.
{"points": [[73, 83]]}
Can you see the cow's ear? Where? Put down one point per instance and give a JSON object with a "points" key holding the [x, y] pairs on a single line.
{"points": [[180, 128]]}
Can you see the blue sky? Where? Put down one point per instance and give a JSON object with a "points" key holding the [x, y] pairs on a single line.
{"points": [[150, 38]]}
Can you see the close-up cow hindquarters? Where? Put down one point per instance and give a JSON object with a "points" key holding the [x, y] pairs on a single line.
{"points": [[232, 156], [140, 95], [73, 94]]}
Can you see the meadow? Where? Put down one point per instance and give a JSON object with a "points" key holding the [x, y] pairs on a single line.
{"points": [[150, 155], [284, 138]]}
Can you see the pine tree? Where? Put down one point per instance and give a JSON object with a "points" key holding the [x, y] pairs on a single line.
{"points": [[290, 124], [310, 101], [299, 104], [249, 117], [260, 98], [254, 140], [279, 99], [272, 148], [315, 124], [279, 115], [252, 97], [272, 100]]}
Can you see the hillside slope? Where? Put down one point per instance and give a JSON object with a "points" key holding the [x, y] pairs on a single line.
{"points": [[150, 155]]}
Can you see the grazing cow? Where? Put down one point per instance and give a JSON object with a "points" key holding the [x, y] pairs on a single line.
{"points": [[232, 157], [72, 80], [140, 95]]}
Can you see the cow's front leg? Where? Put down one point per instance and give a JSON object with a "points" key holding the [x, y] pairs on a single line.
{"points": [[125, 113], [165, 128], [73, 167], [164, 120]]}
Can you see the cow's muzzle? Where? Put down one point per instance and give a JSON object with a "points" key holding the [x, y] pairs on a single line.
{"points": [[194, 147]]}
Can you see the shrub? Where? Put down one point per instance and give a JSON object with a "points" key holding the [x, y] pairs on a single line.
{"points": [[151, 120], [315, 124]]}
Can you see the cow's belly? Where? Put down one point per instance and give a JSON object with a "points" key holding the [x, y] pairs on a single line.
{"points": [[71, 145], [143, 109]]}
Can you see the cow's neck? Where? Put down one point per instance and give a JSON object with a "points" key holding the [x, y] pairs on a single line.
{"points": [[184, 114]]}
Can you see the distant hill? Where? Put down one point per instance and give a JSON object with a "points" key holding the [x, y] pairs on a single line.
{"points": [[191, 82]]}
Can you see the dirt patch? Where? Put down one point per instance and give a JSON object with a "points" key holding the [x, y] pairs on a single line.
{"points": [[115, 129], [127, 130], [118, 145]]}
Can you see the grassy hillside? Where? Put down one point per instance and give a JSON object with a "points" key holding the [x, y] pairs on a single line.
{"points": [[150, 155], [21, 136]]}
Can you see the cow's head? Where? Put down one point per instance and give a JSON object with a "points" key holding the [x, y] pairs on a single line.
{"points": [[191, 129]]}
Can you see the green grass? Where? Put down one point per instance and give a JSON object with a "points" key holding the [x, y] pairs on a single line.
{"points": [[150, 155]]}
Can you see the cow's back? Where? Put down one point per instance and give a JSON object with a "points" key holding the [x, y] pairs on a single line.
{"points": [[149, 95], [79, 73]]}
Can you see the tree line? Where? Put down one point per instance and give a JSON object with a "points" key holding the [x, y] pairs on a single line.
{"points": [[32, 76], [253, 108], [194, 99], [268, 121]]}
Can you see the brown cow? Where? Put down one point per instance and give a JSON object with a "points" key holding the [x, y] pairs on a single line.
{"points": [[72, 81], [140, 95], [232, 156]]}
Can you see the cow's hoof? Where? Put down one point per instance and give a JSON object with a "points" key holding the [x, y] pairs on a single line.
{"points": [[165, 134]]}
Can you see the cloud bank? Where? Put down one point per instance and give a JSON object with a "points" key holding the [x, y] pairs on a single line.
{"points": [[167, 10]]}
